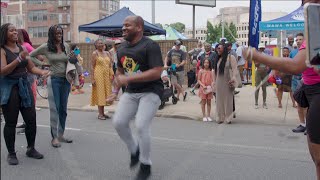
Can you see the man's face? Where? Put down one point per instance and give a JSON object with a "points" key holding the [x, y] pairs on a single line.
{"points": [[207, 47], [299, 40], [290, 41], [177, 47], [129, 29], [285, 52]]}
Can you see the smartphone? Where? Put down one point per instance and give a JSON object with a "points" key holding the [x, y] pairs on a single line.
{"points": [[312, 31]]}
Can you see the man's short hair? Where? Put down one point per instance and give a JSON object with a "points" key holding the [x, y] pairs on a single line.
{"points": [[300, 34], [286, 48]]}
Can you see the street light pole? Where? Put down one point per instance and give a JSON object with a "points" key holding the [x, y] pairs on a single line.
{"points": [[193, 21], [153, 12]]}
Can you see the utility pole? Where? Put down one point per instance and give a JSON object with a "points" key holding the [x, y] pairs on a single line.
{"points": [[193, 21], [222, 23], [153, 11]]}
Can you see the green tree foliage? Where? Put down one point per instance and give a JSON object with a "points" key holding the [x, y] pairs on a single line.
{"points": [[179, 26], [215, 33]]}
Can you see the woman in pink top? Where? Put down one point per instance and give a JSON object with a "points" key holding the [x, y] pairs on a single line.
{"points": [[24, 40], [311, 86]]}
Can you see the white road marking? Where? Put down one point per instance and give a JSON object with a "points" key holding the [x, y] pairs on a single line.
{"points": [[264, 148]]}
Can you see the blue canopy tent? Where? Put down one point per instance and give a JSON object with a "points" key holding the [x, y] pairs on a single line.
{"points": [[291, 23], [111, 26]]}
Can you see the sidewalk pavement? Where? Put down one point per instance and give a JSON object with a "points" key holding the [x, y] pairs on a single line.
{"points": [[190, 109]]}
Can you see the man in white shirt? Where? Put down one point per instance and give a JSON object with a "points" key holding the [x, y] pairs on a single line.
{"points": [[240, 59]]}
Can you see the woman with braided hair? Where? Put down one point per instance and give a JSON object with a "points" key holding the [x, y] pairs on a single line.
{"points": [[56, 51], [16, 95]]}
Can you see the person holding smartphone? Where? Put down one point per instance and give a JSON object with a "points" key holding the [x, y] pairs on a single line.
{"points": [[311, 86]]}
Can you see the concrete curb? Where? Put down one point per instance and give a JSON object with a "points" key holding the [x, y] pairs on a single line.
{"points": [[186, 117]]}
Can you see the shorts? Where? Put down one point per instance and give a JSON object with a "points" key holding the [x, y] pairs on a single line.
{"points": [[313, 124], [178, 78], [284, 88], [241, 68]]}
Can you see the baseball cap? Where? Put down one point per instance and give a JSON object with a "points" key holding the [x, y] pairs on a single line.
{"points": [[177, 43]]}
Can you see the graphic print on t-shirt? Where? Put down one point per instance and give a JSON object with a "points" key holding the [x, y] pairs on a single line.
{"points": [[130, 66]]}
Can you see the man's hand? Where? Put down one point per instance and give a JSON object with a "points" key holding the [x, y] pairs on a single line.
{"points": [[121, 80], [45, 73], [111, 98]]}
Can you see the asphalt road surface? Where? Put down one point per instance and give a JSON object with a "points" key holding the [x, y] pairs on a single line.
{"points": [[181, 150]]}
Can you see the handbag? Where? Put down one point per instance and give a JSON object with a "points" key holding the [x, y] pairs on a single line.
{"points": [[208, 90], [300, 97]]}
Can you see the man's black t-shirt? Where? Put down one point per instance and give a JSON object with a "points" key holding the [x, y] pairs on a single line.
{"points": [[140, 57], [176, 57]]}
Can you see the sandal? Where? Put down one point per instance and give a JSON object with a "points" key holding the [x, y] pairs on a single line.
{"points": [[102, 117]]}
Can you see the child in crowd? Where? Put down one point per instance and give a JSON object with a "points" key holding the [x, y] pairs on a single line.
{"points": [[205, 79]]}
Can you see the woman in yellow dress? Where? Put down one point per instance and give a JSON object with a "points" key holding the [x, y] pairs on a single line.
{"points": [[102, 76]]}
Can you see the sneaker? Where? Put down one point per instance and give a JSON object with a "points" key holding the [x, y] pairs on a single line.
{"points": [[299, 129], [236, 92], [256, 106], [265, 106], [21, 132], [185, 96], [134, 159], [144, 172], [209, 119], [33, 153], [38, 109], [192, 92], [22, 126], [12, 159], [204, 119]]}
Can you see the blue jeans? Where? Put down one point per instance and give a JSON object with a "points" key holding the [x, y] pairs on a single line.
{"points": [[58, 94]]}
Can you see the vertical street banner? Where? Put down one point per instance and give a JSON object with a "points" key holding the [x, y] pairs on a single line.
{"points": [[254, 19]]}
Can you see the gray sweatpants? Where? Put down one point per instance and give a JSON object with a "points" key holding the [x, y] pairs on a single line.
{"points": [[144, 107]]}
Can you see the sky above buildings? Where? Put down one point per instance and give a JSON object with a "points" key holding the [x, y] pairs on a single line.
{"points": [[168, 12]]}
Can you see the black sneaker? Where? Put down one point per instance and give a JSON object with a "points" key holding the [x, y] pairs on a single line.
{"points": [[22, 126], [12, 159], [134, 159], [33, 153], [236, 92], [299, 129], [144, 172], [21, 132]]}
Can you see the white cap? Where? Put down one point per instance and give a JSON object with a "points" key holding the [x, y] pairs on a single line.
{"points": [[164, 73], [261, 45]]}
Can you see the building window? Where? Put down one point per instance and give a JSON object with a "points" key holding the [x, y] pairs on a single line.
{"points": [[39, 15], [36, 1], [38, 32]]}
